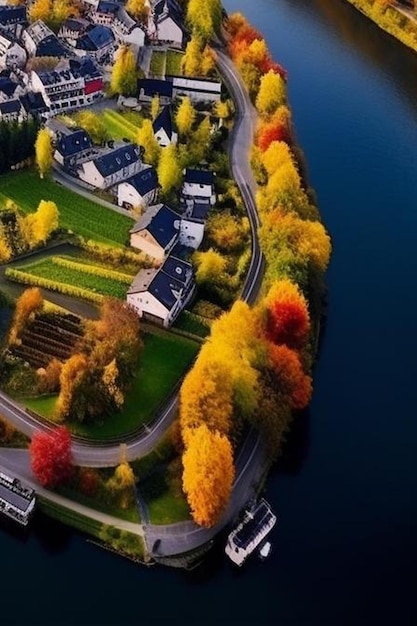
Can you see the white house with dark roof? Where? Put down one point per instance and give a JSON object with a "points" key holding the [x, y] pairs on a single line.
{"points": [[140, 190], [12, 54], [150, 87], [163, 128], [111, 166], [159, 295], [39, 40], [198, 185], [156, 232], [97, 42], [197, 89], [166, 24], [12, 111], [71, 145], [72, 29]]}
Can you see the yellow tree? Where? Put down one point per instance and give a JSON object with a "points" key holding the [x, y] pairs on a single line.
{"points": [[40, 10], [27, 305], [124, 73], [43, 152], [221, 109], [206, 396], [110, 379], [210, 266], [5, 250], [185, 117], [72, 374], [191, 61], [208, 61], [123, 483], [44, 221], [92, 124], [155, 106], [208, 475], [276, 155], [272, 93], [138, 9], [146, 138], [169, 169], [199, 142]]}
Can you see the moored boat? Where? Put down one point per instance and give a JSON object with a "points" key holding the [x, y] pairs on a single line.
{"points": [[257, 523]]}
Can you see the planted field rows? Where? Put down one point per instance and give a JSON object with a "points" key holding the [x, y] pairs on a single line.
{"points": [[73, 279], [93, 269], [76, 213]]}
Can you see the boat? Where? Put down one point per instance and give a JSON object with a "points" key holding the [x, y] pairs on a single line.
{"points": [[17, 502], [265, 550], [258, 521]]}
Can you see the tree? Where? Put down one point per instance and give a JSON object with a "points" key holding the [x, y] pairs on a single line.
{"points": [[211, 266], [277, 129], [50, 454], [272, 93], [72, 374], [5, 250], [191, 61], [146, 138], [122, 483], [110, 379], [289, 379], [40, 10], [124, 73], [288, 319], [92, 123], [138, 9], [43, 152], [227, 232], [206, 397], [169, 169], [29, 303], [204, 18], [44, 221], [208, 475], [185, 117], [155, 106]]}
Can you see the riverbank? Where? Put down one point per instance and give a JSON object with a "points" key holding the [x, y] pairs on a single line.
{"points": [[398, 21]]}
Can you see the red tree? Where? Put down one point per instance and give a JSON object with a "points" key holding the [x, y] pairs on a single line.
{"points": [[288, 319], [272, 132], [290, 380], [50, 455]]}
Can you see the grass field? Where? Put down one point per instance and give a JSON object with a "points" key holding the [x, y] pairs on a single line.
{"points": [[122, 125], [76, 213], [173, 63], [164, 360], [157, 65], [165, 506]]}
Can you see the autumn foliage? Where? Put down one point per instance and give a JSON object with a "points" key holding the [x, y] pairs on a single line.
{"points": [[50, 455], [290, 379], [288, 319], [208, 475], [30, 302]]}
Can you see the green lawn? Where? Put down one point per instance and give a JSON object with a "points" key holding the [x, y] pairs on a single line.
{"points": [[157, 65], [173, 63], [120, 125], [164, 360], [164, 505], [76, 213]]}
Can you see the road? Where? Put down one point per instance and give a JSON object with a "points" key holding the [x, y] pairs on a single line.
{"points": [[177, 538]]}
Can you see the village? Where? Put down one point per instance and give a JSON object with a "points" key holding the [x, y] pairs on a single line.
{"points": [[70, 72]]}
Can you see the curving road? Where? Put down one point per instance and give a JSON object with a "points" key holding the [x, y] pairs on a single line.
{"points": [[177, 538]]}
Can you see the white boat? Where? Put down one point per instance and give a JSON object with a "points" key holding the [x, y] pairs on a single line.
{"points": [[257, 523]]}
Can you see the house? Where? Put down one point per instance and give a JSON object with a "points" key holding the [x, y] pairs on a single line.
{"points": [[156, 232], [159, 295], [71, 85], [139, 190], [149, 87], [191, 232], [166, 24], [163, 128], [12, 54], [12, 111], [197, 89], [97, 42], [198, 185], [41, 41], [71, 145], [13, 18], [35, 105], [73, 29], [109, 167]]}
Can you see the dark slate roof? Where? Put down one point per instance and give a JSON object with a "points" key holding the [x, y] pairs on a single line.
{"points": [[200, 210], [7, 86], [153, 87], [50, 46], [11, 106], [163, 287], [95, 38], [73, 143], [85, 67], [177, 268], [115, 160], [33, 102], [164, 121], [144, 181], [12, 15], [204, 177], [107, 7], [160, 221], [174, 11], [76, 24]]}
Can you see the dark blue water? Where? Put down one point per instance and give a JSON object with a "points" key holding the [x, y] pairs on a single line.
{"points": [[345, 549]]}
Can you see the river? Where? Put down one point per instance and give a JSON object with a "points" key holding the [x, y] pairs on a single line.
{"points": [[345, 493]]}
